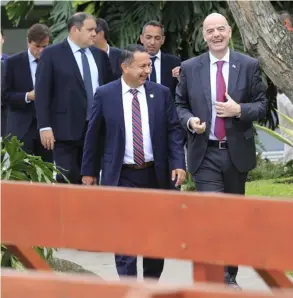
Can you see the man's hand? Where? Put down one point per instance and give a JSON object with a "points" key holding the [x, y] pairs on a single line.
{"points": [[47, 139], [180, 174], [176, 72], [31, 95], [230, 108], [196, 126], [88, 180]]}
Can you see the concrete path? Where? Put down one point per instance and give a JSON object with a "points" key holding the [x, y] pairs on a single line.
{"points": [[175, 272]]}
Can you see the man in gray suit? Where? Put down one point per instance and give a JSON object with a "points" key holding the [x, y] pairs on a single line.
{"points": [[219, 95]]}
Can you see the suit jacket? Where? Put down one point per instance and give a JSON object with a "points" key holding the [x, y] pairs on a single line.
{"points": [[3, 105], [17, 82], [165, 132], [114, 57], [168, 62], [4, 56], [61, 101], [193, 98]]}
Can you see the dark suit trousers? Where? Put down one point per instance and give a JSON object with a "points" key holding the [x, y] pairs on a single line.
{"points": [[3, 120], [126, 265], [32, 143], [68, 158], [217, 174]]}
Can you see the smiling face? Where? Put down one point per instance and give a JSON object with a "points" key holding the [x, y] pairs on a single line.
{"points": [[137, 71], [217, 33]]}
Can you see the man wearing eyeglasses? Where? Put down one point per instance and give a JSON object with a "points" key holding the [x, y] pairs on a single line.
{"points": [[19, 93]]}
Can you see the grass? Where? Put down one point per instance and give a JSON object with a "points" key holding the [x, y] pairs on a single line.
{"points": [[272, 189], [269, 188]]}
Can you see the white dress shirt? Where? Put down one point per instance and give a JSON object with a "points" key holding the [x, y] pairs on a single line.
{"points": [[127, 109], [92, 63], [108, 50], [213, 78], [33, 67], [158, 66]]}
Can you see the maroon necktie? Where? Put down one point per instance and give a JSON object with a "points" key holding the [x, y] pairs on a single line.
{"points": [[138, 152], [220, 131]]}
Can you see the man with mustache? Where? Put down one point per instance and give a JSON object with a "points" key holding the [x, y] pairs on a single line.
{"points": [[219, 95], [143, 137]]}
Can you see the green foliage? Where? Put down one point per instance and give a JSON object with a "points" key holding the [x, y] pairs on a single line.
{"points": [[59, 15], [287, 131], [20, 166], [266, 169], [270, 188], [188, 185], [18, 10]]}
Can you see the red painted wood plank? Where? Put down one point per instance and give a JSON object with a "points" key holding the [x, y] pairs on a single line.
{"points": [[207, 228]]}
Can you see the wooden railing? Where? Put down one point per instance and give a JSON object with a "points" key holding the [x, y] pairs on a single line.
{"points": [[211, 230]]}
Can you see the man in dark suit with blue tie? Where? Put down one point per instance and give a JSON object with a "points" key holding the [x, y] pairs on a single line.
{"points": [[219, 95], [19, 94], [143, 136], [67, 77], [164, 65]]}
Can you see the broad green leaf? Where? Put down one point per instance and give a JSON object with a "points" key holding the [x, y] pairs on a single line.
{"points": [[90, 8], [76, 3], [289, 119], [288, 131], [275, 135]]}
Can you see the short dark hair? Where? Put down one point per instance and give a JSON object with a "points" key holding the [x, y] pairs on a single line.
{"points": [[38, 32], [153, 23], [127, 54], [2, 33], [102, 25], [78, 19]]}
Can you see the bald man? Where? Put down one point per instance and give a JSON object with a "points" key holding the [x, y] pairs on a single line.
{"points": [[219, 95]]}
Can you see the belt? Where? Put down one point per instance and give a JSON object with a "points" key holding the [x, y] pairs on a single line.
{"points": [[218, 144], [139, 167]]}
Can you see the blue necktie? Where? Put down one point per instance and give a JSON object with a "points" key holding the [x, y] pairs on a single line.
{"points": [[87, 79], [153, 75]]}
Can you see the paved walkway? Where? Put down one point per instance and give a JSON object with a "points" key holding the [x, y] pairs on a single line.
{"points": [[175, 272]]}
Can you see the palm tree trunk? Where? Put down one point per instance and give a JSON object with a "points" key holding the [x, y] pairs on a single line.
{"points": [[266, 39]]}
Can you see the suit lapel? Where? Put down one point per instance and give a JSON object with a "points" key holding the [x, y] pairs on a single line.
{"points": [[27, 70], [164, 70], [234, 68], [119, 107], [68, 55], [97, 58], [205, 78], [151, 101]]}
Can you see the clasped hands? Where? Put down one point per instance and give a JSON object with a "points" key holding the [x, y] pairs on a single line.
{"points": [[230, 108]]}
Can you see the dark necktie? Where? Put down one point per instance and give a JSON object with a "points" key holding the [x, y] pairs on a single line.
{"points": [[138, 152], [37, 61], [153, 75], [87, 79], [220, 131]]}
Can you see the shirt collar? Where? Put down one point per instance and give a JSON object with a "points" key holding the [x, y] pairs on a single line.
{"points": [[31, 58], [158, 55], [226, 58], [126, 88], [108, 50], [74, 47]]}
